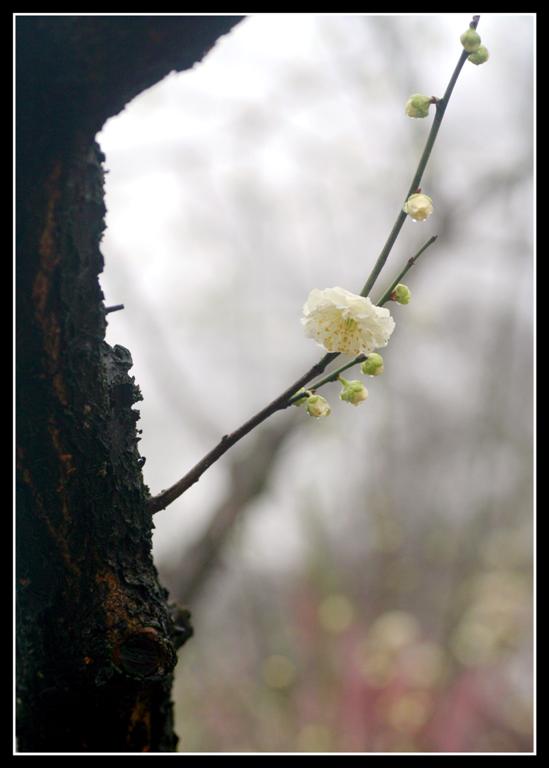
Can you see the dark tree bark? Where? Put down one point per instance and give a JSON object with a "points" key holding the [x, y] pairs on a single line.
{"points": [[96, 638]]}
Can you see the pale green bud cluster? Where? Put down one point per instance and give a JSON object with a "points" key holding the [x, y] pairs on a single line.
{"points": [[373, 365], [418, 105], [478, 53], [353, 392]]}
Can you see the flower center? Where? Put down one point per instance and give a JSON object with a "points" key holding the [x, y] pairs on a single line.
{"points": [[350, 324]]}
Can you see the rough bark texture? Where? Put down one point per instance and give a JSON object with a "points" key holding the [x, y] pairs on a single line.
{"points": [[96, 638]]}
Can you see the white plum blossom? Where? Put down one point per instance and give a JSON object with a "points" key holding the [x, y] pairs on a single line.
{"points": [[342, 321]]}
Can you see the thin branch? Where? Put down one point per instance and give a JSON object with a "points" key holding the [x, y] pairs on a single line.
{"points": [[114, 308], [441, 105], [161, 501], [409, 264], [166, 497]]}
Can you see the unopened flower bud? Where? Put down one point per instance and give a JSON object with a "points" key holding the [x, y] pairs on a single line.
{"points": [[373, 365], [470, 40], [353, 392], [401, 294], [318, 406], [418, 105], [418, 206], [479, 56]]}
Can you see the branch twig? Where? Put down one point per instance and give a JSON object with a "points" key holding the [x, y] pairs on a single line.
{"points": [[441, 106], [409, 264], [161, 501], [114, 308], [166, 497]]}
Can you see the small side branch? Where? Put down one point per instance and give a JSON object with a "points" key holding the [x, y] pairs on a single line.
{"points": [[114, 308], [161, 501], [409, 264]]}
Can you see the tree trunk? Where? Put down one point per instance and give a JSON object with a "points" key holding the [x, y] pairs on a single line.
{"points": [[96, 638]]}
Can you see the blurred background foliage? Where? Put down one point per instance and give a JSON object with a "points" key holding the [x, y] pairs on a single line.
{"points": [[361, 583]]}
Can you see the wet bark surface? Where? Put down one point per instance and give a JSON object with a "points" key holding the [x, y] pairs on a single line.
{"points": [[96, 638]]}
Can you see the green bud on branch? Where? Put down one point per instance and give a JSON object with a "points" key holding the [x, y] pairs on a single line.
{"points": [[373, 365], [353, 392], [470, 40], [318, 406], [418, 105], [401, 294], [479, 56]]}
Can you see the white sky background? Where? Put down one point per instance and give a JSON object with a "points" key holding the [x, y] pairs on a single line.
{"points": [[278, 165]]}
